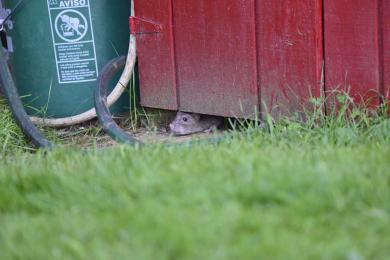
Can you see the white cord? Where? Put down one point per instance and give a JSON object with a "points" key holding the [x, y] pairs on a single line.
{"points": [[111, 99]]}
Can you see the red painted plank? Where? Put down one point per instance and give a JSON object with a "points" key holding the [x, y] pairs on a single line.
{"points": [[352, 48], [156, 56], [385, 15], [216, 56], [290, 53]]}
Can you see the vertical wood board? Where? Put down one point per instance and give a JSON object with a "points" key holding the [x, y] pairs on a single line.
{"points": [[216, 56], [385, 16], [290, 53], [156, 55], [353, 48]]}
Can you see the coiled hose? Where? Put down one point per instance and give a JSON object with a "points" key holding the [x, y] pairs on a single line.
{"points": [[91, 113], [16, 105], [27, 125], [101, 105]]}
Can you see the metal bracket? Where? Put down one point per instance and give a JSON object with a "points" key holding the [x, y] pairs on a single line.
{"points": [[141, 26]]}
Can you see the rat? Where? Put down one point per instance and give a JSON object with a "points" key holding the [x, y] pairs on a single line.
{"points": [[191, 123]]}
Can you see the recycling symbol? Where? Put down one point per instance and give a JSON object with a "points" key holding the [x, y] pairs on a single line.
{"points": [[71, 25]]}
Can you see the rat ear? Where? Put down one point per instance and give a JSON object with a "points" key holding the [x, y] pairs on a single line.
{"points": [[196, 116]]}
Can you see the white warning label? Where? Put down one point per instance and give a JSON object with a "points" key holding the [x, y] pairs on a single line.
{"points": [[73, 40]]}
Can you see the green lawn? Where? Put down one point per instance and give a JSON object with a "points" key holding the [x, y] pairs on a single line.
{"points": [[289, 191]]}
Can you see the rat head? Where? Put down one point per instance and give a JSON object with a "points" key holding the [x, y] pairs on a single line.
{"points": [[185, 124]]}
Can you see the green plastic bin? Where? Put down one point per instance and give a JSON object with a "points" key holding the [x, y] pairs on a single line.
{"points": [[58, 48]]}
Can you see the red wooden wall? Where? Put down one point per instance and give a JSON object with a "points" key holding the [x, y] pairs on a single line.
{"points": [[357, 47], [290, 53], [216, 56], [238, 57], [385, 47], [156, 55]]}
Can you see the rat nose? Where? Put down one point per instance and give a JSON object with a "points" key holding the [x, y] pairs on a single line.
{"points": [[171, 126]]}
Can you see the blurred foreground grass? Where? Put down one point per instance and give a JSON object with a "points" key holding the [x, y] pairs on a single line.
{"points": [[313, 190]]}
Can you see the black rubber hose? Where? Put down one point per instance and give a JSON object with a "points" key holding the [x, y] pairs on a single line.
{"points": [[16, 105], [102, 110]]}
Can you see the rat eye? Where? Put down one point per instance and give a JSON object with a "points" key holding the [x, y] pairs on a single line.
{"points": [[185, 119]]}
